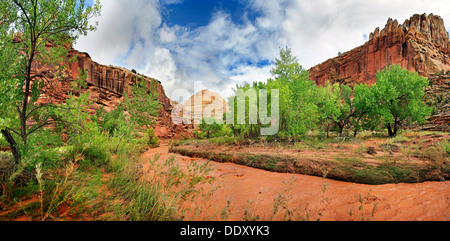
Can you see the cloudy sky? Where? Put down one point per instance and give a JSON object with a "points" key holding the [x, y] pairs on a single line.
{"points": [[221, 43]]}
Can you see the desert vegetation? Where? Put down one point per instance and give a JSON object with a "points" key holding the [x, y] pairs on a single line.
{"points": [[317, 121], [61, 161], [54, 156], [395, 100]]}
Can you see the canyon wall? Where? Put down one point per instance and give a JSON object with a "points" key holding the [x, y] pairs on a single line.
{"points": [[109, 83], [421, 44]]}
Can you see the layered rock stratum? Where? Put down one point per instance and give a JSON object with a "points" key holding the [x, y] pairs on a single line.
{"points": [[421, 44], [203, 104], [108, 84]]}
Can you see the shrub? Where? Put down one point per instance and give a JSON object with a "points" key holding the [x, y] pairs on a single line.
{"points": [[445, 146], [152, 139], [92, 155]]}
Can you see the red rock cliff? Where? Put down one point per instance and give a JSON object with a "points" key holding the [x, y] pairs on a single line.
{"points": [[109, 83], [420, 44]]}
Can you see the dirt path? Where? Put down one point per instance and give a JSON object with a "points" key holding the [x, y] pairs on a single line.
{"points": [[253, 194]]}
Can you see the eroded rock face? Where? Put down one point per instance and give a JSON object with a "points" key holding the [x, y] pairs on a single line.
{"points": [[107, 86], [112, 79], [438, 96], [109, 83], [421, 44], [203, 104]]}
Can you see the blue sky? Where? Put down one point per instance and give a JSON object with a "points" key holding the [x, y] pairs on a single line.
{"points": [[221, 43], [195, 13]]}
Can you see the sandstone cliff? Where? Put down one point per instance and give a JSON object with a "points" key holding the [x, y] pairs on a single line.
{"points": [[205, 103], [421, 44], [109, 83]]}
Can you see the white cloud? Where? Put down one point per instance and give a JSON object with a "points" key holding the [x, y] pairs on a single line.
{"points": [[167, 35], [133, 34], [318, 30]]}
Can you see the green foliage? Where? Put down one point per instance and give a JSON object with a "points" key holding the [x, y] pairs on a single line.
{"points": [[298, 112], [3, 142], [304, 112], [73, 117], [33, 24], [152, 139], [364, 102], [113, 122], [400, 94], [214, 129], [397, 98], [328, 104], [445, 146], [143, 104]]}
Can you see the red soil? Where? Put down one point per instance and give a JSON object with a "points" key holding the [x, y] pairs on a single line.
{"points": [[255, 190]]}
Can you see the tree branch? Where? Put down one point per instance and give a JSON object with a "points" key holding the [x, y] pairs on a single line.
{"points": [[23, 11], [40, 126], [9, 129]]}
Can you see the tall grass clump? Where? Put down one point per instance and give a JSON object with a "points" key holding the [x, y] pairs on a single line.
{"points": [[161, 193], [445, 146]]}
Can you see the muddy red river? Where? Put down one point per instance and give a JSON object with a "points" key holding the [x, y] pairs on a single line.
{"points": [[244, 193]]}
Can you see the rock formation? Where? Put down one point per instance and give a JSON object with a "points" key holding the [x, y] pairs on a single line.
{"points": [[205, 103], [421, 44], [438, 96], [109, 83]]}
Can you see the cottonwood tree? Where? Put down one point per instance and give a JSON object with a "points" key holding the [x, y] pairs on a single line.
{"points": [[365, 116], [286, 70], [35, 32], [400, 98], [346, 107]]}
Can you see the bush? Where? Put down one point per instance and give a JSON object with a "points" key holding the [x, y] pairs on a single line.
{"points": [[91, 155], [152, 139], [445, 146], [49, 158], [6, 166]]}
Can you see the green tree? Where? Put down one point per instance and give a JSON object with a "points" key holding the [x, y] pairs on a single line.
{"points": [[243, 111], [26, 27], [328, 105], [346, 107], [287, 67], [298, 110], [211, 130], [400, 94], [286, 71], [304, 111], [365, 115], [74, 118]]}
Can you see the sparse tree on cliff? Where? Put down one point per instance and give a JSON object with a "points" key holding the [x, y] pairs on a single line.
{"points": [[26, 29]]}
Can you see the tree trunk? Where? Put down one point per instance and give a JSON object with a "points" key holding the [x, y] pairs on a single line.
{"points": [[391, 133], [13, 145], [356, 127], [396, 123]]}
